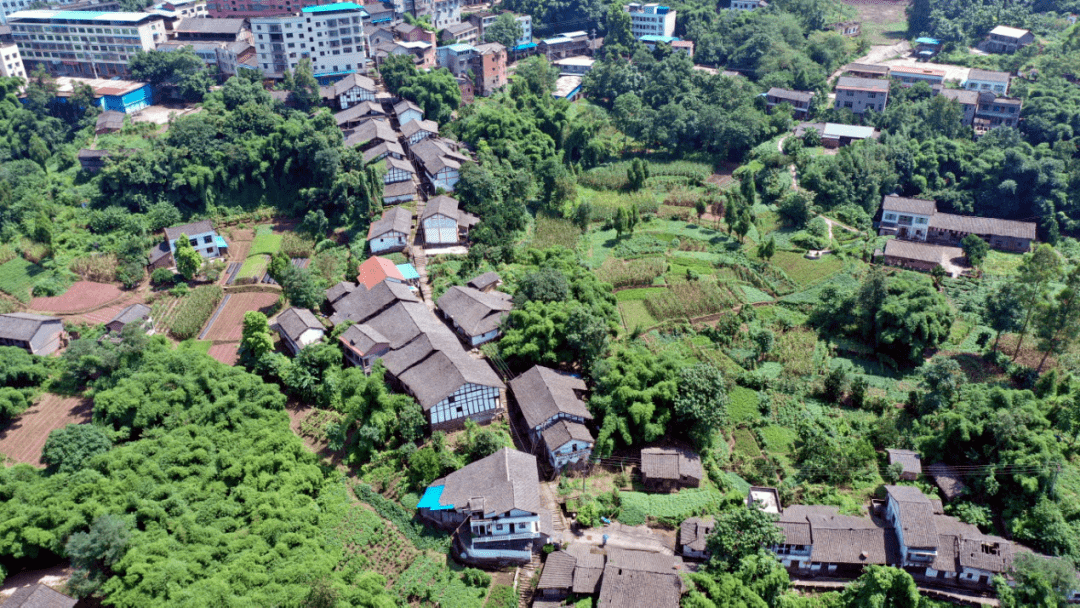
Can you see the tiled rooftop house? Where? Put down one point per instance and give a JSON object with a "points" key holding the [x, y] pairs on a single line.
{"points": [[798, 100], [861, 94], [1005, 39]]}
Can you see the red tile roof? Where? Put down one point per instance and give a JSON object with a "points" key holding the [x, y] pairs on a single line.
{"points": [[375, 270]]}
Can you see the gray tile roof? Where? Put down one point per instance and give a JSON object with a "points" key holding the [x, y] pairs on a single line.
{"points": [[405, 105], [38, 596], [504, 481], [363, 338], [990, 553], [643, 561], [988, 75], [360, 110], [372, 130], [795, 532], [947, 479], [441, 205], [22, 325], [916, 516], [399, 163], [962, 96], [563, 432], [475, 312], [901, 204], [670, 463], [589, 568], [558, 571], [397, 189], [135, 312], [361, 304], [206, 25], [295, 321], [854, 546], [484, 281], [396, 219], [922, 252], [909, 459], [983, 225], [694, 530], [174, 232], [543, 393], [444, 372], [339, 291], [353, 80], [161, 250], [384, 149], [862, 84], [110, 120], [415, 126], [436, 156], [623, 587], [789, 94]]}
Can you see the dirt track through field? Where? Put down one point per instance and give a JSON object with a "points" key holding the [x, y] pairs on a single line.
{"points": [[22, 439]]}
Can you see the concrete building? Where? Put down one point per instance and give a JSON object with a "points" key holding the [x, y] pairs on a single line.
{"points": [[910, 75], [575, 66], [489, 65], [455, 57], [798, 100], [464, 32], [993, 111], [987, 80], [201, 235], [182, 9], [650, 19], [445, 13], [84, 43], [968, 100], [919, 220], [1005, 39], [866, 70], [12, 65], [567, 44], [748, 5], [861, 94], [330, 36], [202, 29]]}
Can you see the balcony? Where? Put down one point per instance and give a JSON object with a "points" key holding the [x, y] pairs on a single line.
{"points": [[504, 537]]}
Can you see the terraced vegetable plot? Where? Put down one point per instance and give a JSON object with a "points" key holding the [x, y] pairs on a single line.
{"points": [[228, 325], [23, 438], [17, 276], [80, 296]]}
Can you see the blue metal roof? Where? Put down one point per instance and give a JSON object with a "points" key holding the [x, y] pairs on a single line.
{"points": [[430, 499], [839, 130], [220, 242], [527, 45], [650, 38], [460, 47], [337, 6], [408, 272], [382, 20], [933, 41]]}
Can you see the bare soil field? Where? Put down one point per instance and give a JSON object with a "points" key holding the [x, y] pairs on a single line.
{"points": [[229, 323], [102, 315], [226, 353], [83, 295], [22, 439], [240, 244], [883, 22]]}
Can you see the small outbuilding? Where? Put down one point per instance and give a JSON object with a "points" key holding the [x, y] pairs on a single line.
{"points": [[299, 328], [485, 282], [948, 480], [668, 469], [136, 313], [38, 596], [693, 534], [909, 460]]}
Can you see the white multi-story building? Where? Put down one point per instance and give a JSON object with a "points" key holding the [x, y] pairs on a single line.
{"points": [[84, 43], [331, 36], [445, 13], [12, 65], [526, 29], [650, 20]]}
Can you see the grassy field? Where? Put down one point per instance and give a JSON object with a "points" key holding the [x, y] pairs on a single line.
{"points": [[806, 272], [1000, 263], [743, 405], [779, 439], [266, 242], [17, 276], [198, 346], [745, 445], [635, 315], [254, 267]]}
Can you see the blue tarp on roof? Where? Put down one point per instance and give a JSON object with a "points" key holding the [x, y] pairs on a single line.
{"points": [[650, 38], [527, 45], [430, 499], [220, 242], [933, 41], [408, 272], [382, 20]]}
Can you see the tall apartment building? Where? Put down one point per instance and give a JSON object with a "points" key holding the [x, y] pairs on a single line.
{"points": [[259, 8], [445, 13], [84, 43], [11, 65], [650, 20], [331, 36]]}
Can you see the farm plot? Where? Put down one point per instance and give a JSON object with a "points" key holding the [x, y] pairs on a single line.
{"points": [[227, 325], [24, 436], [228, 354], [83, 295], [17, 276], [193, 311]]}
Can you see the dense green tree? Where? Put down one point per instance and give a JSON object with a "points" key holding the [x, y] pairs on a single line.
{"points": [[913, 317], [881, 586], [255, 338], [188, 261], [506, 30], [740, 534], [1033, 278], [1057, 322], [634, 399], [1041, 582], [701, 402], [301, 287], [94, 553], [181, 71], [975, 249], [68, 448]]}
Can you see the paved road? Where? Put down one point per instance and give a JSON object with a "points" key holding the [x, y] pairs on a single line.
{"points": [[878, 54], [622, 536]]}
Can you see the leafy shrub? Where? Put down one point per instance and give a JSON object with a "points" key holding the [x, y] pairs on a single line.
{"points": [[638, 246], [417, 533], [475, 578], [162, 276], [501, 596], [69, 447], [691, 299], [50, 285], [194, 310]]}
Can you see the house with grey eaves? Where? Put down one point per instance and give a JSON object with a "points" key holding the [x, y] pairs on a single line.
{"points": [[440, 160], [493, 507], [407, 111], [477, 316], [349, 91], [397, 170], [861, 94], [136, 313], [391, 231], [444, 224], [299, 328], [37, 334], [415, 130], [201, 235], [554, 413]]}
